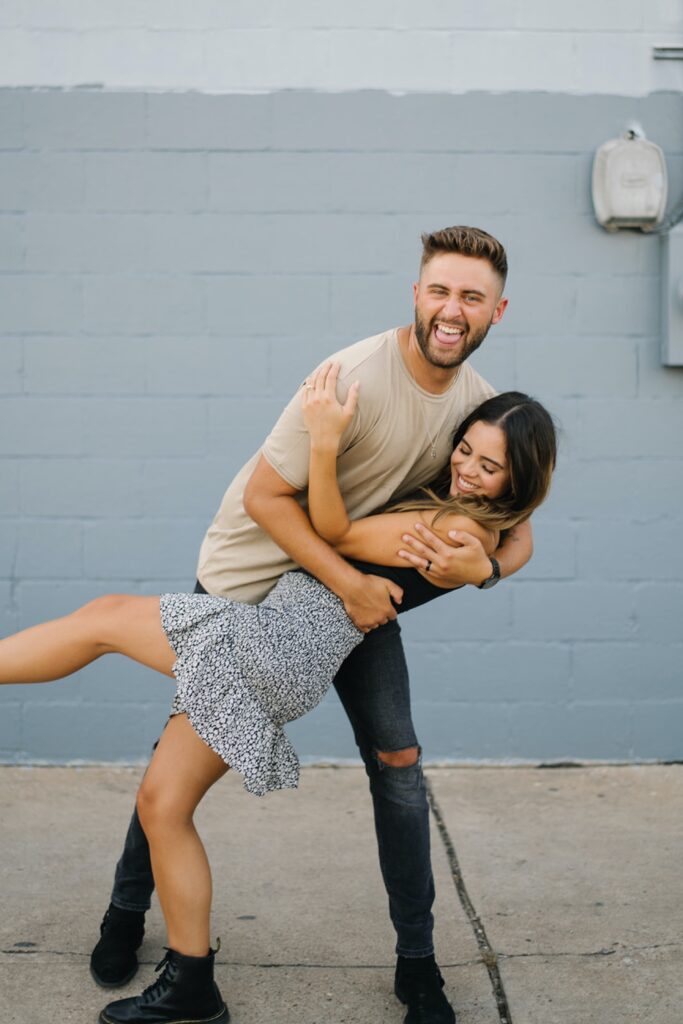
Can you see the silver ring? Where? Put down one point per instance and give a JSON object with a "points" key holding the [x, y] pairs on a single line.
{"points": [[309, 387], [428, 566]]}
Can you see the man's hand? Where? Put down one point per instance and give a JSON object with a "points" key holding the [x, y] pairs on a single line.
{"points": [[454, 566], [368, 601]]}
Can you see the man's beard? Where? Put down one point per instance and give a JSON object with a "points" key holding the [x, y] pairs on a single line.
{"points": [[471, 340]]}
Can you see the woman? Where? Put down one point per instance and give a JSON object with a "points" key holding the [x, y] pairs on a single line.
{"points": [[244, 670]]}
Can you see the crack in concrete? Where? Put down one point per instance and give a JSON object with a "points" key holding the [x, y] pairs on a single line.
{"points": [[488, 954], [613, 951], [656, 945], [239, 963], [553, 956]]}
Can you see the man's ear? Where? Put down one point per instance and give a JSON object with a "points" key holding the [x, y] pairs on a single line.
{"points": [[416, 287], [499, 310]]}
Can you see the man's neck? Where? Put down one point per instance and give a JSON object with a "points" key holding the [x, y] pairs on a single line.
{"points": [[434, 379]]}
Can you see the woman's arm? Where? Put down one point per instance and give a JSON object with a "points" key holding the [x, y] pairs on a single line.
{"points": [[378, 538], [326, 420]]}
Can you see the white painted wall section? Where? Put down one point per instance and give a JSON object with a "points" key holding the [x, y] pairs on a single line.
{"points": [[451, 46]]}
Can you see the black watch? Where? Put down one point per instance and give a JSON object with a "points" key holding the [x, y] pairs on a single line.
{"points": [[493, 578]]}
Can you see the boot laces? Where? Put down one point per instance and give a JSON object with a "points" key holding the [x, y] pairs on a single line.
{"points": [[162, 983]]}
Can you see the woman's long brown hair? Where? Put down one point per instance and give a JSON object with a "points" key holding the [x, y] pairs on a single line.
{"points": [[531, 452]]}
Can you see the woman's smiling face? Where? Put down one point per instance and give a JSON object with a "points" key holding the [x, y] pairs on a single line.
{"points": [[479, 463]]}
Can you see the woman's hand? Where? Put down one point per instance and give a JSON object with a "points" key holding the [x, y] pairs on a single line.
{"points": [[325, 417]]}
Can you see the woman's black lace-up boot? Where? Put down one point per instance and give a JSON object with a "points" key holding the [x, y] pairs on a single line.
{"points": [[184, 993]]}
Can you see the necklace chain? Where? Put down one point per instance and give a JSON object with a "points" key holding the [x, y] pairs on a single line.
{"points": [[432, 440]]}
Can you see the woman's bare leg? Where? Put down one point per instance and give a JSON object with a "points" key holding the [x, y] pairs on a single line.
{"points": [[114, 624], [181, 771]]}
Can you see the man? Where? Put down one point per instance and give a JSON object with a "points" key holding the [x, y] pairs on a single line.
{"points": [[416, 387]]}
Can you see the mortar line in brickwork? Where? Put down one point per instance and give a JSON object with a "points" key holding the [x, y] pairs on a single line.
{"points": [[488, 955]]}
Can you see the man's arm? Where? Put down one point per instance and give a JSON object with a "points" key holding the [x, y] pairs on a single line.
{"points": [[270, 502], [468, 563], [516, 549]]}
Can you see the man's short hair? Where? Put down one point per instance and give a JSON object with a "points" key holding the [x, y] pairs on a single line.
{"points": [[468, 242]]}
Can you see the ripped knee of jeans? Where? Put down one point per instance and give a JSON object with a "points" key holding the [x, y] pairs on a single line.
{"points": [[405, 758]]}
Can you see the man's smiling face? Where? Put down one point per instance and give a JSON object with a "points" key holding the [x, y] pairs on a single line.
{"points": [[456, 300]]}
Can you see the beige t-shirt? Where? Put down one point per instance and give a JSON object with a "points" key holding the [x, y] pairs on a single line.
{"points": [[385, 454]]}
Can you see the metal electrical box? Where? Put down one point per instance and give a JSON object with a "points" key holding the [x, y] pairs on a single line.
{"points": [[672, 297], [629, 184]]}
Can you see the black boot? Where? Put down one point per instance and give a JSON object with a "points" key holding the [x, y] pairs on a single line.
{"points": [[184, 993], [419, 985], [113, 961]]}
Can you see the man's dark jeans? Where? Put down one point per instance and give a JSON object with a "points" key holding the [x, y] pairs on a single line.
{"points": [[373, 687]]}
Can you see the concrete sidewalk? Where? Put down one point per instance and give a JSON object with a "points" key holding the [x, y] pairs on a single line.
{"points": [[559, 895]]}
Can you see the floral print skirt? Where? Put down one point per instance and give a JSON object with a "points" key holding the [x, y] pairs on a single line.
{"points": [[244, 670]]}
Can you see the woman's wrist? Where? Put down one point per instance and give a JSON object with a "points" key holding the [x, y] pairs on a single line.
{"points": [[325, 446]]}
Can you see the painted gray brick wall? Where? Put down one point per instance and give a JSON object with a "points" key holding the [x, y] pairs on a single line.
{"points": [[434, 46], [171, 266]]}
